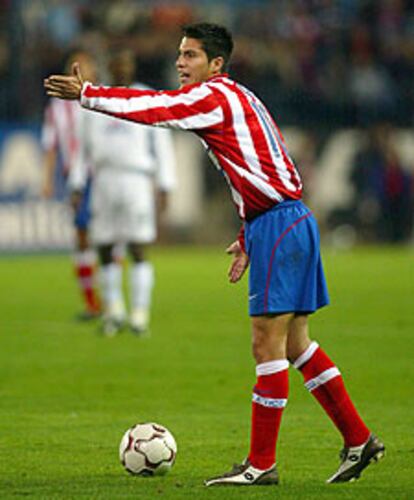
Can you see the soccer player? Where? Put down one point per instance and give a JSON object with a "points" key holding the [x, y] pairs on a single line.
{"points": [[279, 240], [134, 171], [60, 140]]}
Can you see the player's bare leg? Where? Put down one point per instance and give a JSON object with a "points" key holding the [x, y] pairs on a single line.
{"points": [[324, 381], [269, 399]]}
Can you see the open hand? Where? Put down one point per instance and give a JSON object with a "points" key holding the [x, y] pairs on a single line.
{"points": [[240, 262], [65, 86]]}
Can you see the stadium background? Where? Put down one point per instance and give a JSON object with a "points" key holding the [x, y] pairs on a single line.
{"points": [[328, 70]]}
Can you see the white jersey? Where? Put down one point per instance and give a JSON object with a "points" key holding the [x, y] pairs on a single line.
{"points": [[112, 144], [130, 163]]}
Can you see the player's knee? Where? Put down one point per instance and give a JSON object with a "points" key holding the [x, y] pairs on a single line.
{"points": [[259, 351], [264, 352], [298, 338], [269, 338], [267, 348]]}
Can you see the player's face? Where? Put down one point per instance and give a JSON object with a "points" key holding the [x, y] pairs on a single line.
{"points": [[192, 63]]}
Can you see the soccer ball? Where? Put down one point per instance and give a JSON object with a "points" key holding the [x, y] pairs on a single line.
{"points": [[148, 450]]}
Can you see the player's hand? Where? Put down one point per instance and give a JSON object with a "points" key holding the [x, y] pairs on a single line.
{"points": [[65, 86], [240, 262]]}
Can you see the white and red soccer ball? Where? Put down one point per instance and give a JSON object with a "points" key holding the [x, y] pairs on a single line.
{"points": [[148, 450]]}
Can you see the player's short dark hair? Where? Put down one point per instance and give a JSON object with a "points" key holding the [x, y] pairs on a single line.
{"points": [[216, 40]]}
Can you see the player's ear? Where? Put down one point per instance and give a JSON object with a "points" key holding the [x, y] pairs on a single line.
{"points": [[217, 64]]}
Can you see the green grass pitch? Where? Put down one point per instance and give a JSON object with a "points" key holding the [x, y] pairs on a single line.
{"points": [[67, 395]]}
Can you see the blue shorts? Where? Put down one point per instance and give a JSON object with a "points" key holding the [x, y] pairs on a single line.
{"points": [[83, 214], [286, 273]]}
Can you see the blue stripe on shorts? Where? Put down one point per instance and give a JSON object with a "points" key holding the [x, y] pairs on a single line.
{"points": [[286, 273]]}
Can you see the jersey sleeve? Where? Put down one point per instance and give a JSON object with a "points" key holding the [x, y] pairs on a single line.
{"points": [[195, 107]]}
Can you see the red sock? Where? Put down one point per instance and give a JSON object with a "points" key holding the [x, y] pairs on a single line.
{"points": [[269, 399], [324, 381], [85, 271]]}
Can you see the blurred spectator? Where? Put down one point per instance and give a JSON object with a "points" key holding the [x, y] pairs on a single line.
{"points": [[321, 62], [383, 200], [63, 22], [371, 89]]}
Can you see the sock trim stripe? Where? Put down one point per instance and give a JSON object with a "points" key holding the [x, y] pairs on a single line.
{"points": [[269, 402], [85, 258], [322, 378], [306, 356], [271, 367]]}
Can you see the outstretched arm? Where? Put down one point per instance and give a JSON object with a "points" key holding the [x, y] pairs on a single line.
{"points": [[195, 107]]}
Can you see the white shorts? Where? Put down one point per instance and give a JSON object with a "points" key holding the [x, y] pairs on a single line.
{"points": [[123, 207]]}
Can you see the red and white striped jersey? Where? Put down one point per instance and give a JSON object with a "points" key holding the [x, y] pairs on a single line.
{"points": [[238, 132], [60, 128]]}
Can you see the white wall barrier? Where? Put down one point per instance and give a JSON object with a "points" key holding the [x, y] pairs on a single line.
{"points": [[27, 222], [30, 223]]}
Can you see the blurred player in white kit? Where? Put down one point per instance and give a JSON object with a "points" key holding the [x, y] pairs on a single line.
{"points": [[134, 170], [60, 141]]}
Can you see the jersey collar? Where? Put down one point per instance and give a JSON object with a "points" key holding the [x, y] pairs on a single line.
{"points": [[217, 77]]}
